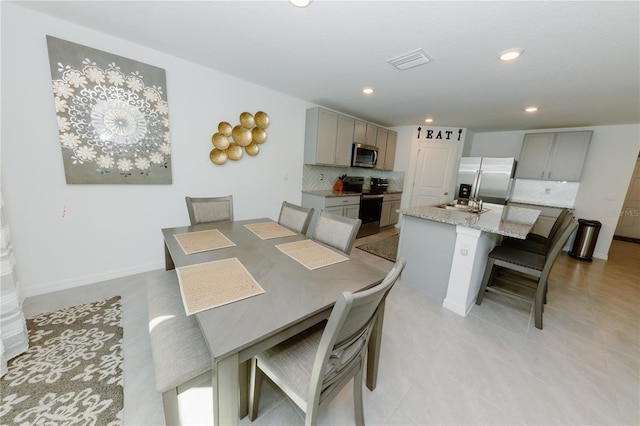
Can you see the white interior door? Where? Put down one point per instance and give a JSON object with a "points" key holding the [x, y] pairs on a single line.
{"points": [[629, 222], [434, 177]]}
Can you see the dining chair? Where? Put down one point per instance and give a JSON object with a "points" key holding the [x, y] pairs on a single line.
{"points": [[337, 231], [210, 209], [294, 217], [523, 274], [313, 366], [539, 243]]}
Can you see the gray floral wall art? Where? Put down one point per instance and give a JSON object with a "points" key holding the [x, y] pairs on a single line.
{"points": [[113, 116]]}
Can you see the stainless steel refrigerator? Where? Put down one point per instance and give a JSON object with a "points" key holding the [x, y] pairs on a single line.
{"points": [[490, 178]]}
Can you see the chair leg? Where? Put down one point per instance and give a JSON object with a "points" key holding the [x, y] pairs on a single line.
{"points": [[488, 274], [357, 397], [255, 386], [540, 300]]}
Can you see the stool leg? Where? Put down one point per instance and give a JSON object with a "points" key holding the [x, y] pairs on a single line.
{"points": [[488, 273]]}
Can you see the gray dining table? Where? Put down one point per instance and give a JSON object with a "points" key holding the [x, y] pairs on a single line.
{"points": [[294, 299]]}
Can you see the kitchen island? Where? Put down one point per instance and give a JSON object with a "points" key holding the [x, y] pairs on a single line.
{"points": [[446, 250]]}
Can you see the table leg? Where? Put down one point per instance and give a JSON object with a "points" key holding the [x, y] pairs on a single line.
{"points": [[244, 388], [168, 260], [373, 354], [225, 391]]}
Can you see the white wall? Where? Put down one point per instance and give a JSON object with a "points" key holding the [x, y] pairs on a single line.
{"points": [[114, 230], [605, 178]]}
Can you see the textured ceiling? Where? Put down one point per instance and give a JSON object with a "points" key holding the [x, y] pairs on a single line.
{"points": [[581, 64]]}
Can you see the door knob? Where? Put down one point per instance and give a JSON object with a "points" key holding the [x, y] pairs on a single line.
{"points": [[446, 193]]}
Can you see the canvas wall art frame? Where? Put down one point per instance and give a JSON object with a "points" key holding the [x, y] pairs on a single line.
{"points": [[113, 116]]}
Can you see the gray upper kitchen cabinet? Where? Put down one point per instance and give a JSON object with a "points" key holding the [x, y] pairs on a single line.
{"points": [[365, 133], [553, 156], [386, 150], [328, 138]]}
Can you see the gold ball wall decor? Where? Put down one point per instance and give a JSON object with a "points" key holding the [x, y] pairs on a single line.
{"points": [[231, 142], [225, 128], [247, 120], [262, 119], [252, 149], [258, 135], [218, 156], [241, 135], [220, 141], [234, 152]]}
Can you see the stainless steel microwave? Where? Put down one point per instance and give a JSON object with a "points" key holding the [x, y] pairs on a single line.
{"points": [[364, 155]]}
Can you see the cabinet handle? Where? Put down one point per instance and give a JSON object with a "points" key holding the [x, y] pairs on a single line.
{"points": [[542, 175], [549, 175]]}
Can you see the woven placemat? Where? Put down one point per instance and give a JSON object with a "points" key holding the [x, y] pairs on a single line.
{"points": [[269, 230], [211, 284], [196, 242], [311, 254]]}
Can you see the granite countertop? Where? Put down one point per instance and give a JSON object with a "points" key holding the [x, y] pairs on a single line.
{"points": [[509, 221], [331, 193]]}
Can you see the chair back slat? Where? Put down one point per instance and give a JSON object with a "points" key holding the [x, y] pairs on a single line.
{"points": [[337, 231], [564, 215], [210, 209], [294, 217]]}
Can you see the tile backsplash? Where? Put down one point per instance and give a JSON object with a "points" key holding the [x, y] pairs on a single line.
{"points": [[550, 193], [323, 177]]}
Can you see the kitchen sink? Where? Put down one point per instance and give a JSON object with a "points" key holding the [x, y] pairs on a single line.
{"points": [[460, 208]]}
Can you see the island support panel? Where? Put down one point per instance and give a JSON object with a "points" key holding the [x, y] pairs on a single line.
{"points": [[428, 248], [467, 269]]}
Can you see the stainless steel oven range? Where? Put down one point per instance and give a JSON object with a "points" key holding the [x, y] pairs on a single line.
{"points": [[370, 202]]}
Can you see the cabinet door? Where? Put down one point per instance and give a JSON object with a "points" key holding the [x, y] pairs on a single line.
{"points": [[372, 134], [351, 211], [569, 153], [360, 132], [344, 140], [339, 210], [386, 214], [381, 143], [394, 216], [390, 153], [327, 131], [381, 138], [536, 149]]}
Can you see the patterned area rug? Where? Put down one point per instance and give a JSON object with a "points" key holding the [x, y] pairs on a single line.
{"points": [[73, 371], [386, 248]]}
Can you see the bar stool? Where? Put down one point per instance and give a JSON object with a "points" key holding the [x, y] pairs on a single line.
{"points": [[523, 274]]}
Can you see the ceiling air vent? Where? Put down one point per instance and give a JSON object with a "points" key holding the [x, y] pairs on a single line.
{"points": [[410, 60]]}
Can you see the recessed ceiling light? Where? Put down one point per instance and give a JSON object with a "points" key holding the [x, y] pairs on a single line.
{"points": [[300, 3], [367, 90], [531, 109], [510, 54], [428, 120]]}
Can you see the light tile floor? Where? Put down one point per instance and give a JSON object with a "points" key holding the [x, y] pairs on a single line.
{"points": [[492, 367]]}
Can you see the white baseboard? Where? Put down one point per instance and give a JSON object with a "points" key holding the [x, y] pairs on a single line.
{"points": [[50, 287]]}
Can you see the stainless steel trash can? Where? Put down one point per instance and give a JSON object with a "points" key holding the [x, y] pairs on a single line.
{"points": [[585, 240]]}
